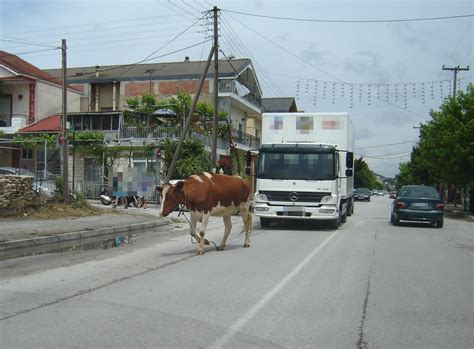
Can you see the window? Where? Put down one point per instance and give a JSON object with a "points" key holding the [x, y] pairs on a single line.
{"points": [[293, 165], [92, 170], [26, 154], [106, 122]]}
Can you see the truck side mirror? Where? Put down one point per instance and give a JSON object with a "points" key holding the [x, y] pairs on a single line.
{"points": [[349, 173], [350, 159]]}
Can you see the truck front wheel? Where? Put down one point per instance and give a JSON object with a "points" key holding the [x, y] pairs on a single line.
{"points": [[334, 224]]}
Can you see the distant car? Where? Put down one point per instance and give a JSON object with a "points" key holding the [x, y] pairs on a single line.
{"points": [[393, 194], [16, 171], [362, 194], [381, 192], [418, 203]]}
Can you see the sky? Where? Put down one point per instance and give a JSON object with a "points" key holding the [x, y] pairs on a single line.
{"points": [[380, 61]]}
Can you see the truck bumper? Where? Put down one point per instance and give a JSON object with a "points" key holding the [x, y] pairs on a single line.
{"points": [[324, 212]]}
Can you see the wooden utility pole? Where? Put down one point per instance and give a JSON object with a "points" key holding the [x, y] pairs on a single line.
{"points": [[63, 138], [455, 70], [189, 119], [216, 92]]}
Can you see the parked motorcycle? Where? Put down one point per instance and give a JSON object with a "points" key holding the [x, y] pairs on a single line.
{"points": [[106, 198]]}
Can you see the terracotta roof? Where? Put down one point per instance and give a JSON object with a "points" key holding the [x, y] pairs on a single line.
{"points": [[50, 124], [22, 67]]}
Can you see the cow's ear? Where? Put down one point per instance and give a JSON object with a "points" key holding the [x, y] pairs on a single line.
{"points": [[159, 189], [180, 185]]}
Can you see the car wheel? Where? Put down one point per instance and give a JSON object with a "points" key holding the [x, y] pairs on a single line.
{"points": [[395, 221], [265, 222], [440, 223]]}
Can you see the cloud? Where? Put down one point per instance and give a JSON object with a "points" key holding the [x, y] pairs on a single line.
{"points": [[315, 55], [367, 63]]}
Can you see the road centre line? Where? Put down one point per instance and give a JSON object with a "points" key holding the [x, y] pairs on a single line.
{"points": [[242, 321]]}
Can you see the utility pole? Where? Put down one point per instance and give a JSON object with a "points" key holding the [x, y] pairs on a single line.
{"points": [[455, 69], [216, 92], [188, 120], [63, 137]]}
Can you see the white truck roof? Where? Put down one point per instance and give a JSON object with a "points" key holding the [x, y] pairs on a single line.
{"points": [[326, 128]]}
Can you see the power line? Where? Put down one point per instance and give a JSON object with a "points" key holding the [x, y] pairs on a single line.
{"points": [[320, 69], [93, 24], [350, 21], [237, 41], [385, 145]]}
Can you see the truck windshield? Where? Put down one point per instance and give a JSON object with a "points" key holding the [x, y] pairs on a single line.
{"points": [[291, 165]]}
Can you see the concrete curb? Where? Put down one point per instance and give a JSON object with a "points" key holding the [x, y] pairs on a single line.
{"points": [[65, 241]]}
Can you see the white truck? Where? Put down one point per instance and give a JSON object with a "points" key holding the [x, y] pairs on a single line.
{"points": [[305, 168]]}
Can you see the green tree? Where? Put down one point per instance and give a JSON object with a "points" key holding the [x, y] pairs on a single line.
{"points": [[193, 158], [444, 154], [364, 177], [405, 175]]}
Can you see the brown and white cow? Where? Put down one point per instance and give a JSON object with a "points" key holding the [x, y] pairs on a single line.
{"points": [[206, 195]]}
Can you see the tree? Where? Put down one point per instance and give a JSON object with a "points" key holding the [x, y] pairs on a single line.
{"points": [[193, 158], [444, 154], [364, 177]]}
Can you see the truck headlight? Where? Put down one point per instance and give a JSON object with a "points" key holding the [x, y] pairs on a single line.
{"points": [[326, 199], [261, 197]]}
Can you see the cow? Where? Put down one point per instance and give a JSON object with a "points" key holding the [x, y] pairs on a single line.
{"points": [[206, 195]]}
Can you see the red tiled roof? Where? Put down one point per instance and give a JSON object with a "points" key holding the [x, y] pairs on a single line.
{"points": [[50, 124], [22, 67]]}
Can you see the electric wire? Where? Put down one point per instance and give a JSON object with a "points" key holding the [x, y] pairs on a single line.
{"points": [[385, 145], [350, 20], [320, 69]]}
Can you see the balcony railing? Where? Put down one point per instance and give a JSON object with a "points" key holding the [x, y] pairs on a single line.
{"points": [[175, 132], [13, 122]]}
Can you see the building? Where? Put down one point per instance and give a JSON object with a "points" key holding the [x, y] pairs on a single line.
{"points": [[27, 95]]}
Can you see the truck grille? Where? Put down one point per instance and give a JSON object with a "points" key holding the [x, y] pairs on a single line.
{"points": [[300, 196]]}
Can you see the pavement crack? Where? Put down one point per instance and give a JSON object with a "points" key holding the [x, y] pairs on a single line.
{"points": [[90, 290], [362, 342]]}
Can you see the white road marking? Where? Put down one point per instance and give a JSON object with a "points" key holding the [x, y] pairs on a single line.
{"points": [[242, 321]]}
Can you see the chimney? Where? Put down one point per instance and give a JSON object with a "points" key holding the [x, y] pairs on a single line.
{"points": [[186, 59]]}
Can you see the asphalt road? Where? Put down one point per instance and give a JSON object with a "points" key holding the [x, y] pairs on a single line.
{"points": [[368, 284]]}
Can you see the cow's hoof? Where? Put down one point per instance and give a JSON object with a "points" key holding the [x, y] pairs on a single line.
{"points": [[220, 248], [246, 245], [206, 242], [200, 253]]}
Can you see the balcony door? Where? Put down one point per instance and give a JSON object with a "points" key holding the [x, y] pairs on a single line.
{"points": [[5, 110]]}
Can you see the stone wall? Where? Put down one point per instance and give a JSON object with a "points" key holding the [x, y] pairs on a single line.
{"points": [[16, 191]]}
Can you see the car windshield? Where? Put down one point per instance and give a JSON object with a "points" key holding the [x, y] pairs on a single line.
{"points": [[287, 165], [362, 191], [420, 192]]}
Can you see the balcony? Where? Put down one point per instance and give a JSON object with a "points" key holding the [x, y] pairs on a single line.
{"points": [[243, 140], [12, 123]]}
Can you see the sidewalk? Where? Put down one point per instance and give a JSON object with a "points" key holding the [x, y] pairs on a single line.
{"points": [[457, 212], [31, 236]]}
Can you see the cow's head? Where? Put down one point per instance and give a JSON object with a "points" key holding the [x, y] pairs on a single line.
{"points": [[171, 196]]}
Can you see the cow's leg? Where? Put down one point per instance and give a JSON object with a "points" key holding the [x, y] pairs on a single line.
{"points": [[193, 223], [227, 229], [247, 218], [202, 231]]}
